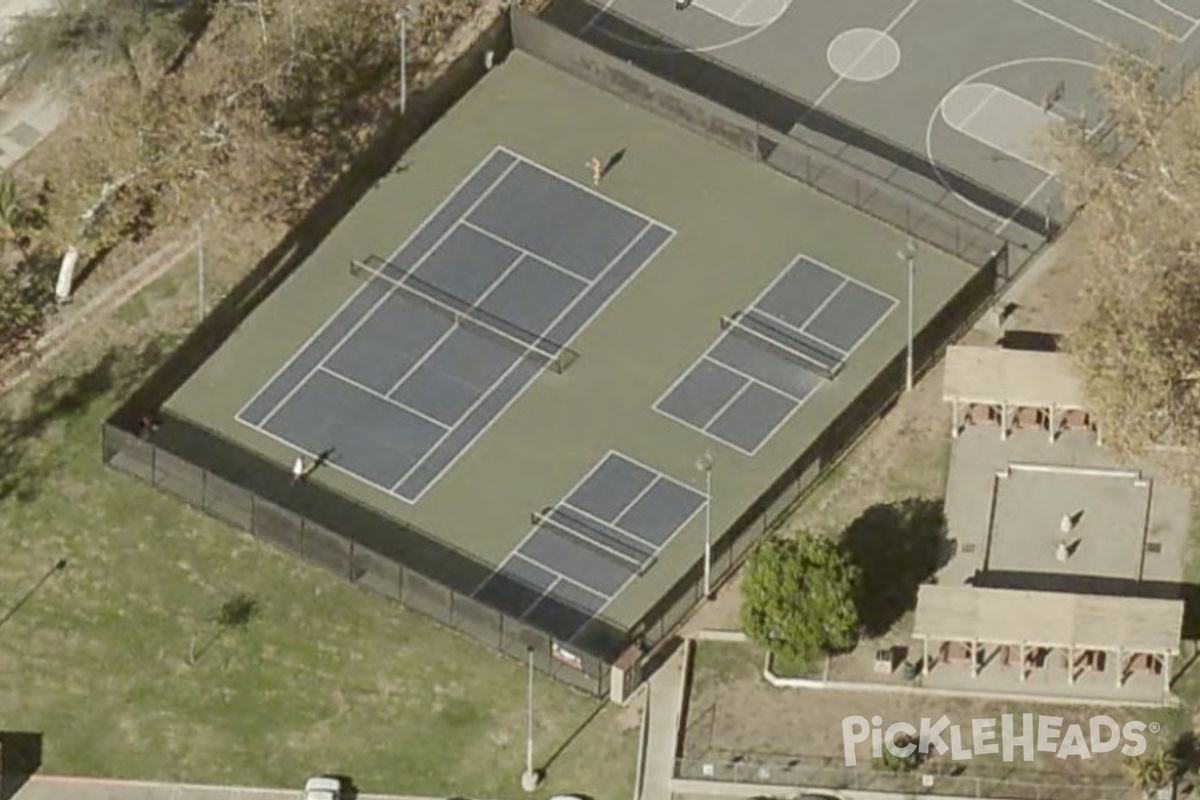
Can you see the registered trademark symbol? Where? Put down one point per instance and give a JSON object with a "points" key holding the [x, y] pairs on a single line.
{"points": [[1155, 727]]}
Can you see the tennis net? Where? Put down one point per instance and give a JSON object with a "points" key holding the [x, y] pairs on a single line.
{"points": [[550, 354], [793, 346]]}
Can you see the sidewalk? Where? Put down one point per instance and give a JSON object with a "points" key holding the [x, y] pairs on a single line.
{"points": [[663, 708], [45, 787]]}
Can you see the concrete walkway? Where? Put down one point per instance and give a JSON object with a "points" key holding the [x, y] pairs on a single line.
{"points": [[45, 787], [663, 707]]}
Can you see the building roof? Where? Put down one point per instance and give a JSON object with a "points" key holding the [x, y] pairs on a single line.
{"points": [[1018, 377], [1048, 619]]}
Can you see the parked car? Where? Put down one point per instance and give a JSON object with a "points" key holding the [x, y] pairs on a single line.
{"points": [[323, 787]]}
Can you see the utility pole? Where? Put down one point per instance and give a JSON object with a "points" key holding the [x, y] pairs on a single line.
{"points": [[530, 779]]}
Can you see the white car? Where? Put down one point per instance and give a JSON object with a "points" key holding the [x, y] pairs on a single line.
{"points": [[322, 787]]}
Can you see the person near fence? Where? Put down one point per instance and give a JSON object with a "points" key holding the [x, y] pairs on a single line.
{"points": [[299, 470]]}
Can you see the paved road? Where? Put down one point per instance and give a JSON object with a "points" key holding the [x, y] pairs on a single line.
{"points": [[44, 787]]}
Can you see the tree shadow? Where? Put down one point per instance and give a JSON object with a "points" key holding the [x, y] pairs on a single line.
{"points": [[235, 614], [56, 568], [25, 463], [897, 546], [1186, 750]]}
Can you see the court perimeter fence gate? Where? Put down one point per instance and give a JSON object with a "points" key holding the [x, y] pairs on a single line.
{"points": [[212, 473]]}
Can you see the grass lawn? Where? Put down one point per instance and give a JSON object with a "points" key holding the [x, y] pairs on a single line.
{"points": [[324, 678]]}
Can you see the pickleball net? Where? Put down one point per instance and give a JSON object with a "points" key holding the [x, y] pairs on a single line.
{"points": [[758, 330]]}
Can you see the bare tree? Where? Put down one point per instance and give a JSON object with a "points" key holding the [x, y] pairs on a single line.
{"points": [[1139, 346]]}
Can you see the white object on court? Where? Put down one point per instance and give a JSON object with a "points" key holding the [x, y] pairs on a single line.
{"points": [[298, 467]]}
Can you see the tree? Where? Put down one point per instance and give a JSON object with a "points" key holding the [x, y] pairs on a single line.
{"points": [[1150, 772], [897, 763], [798, 597], [1138, 345]]}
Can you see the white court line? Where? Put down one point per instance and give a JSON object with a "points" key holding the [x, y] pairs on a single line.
{"points": [[429, 351], [296, 448], [456, 325], [566, 310], [1195, 23], [547, 520], [658, 408], [596, 17], [585, 189], [383, 397], [994, 144], [1176, 11], [974, 111], [362, 320], [495, 237], [517, 549], [850, 70], [783, 323], [847, 279], [638, 575], [549, 592], [546, 567], [650, 225], [725, 406], [740, 9], [1161, 31], [1004, 223], [1076, 29], [663, 475], [439, 208], [653, 548]]}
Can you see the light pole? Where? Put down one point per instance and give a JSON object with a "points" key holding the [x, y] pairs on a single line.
{"points": [[705, 465], [402, 18], [530, 778], [909, 255]]}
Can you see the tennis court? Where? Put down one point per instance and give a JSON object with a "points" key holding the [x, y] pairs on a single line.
{"points": [[479, 347], [587, 547], [452, 327], [770, 357]]}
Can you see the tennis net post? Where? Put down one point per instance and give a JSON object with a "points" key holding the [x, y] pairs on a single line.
{"points": [[792, 349], [552, 355]]}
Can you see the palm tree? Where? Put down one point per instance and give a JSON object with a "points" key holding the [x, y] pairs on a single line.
{"points": [[1150, 772]]}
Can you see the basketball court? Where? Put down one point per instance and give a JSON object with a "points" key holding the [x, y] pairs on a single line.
{"points": [[973, 87]]}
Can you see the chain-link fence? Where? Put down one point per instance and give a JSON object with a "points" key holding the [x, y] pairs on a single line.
{"points": [[953, 779], [348, 539]]}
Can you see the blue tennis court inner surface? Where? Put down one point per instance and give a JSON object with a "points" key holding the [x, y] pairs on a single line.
{"points": [[451, 328], [769, 358], [583, 550]]}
